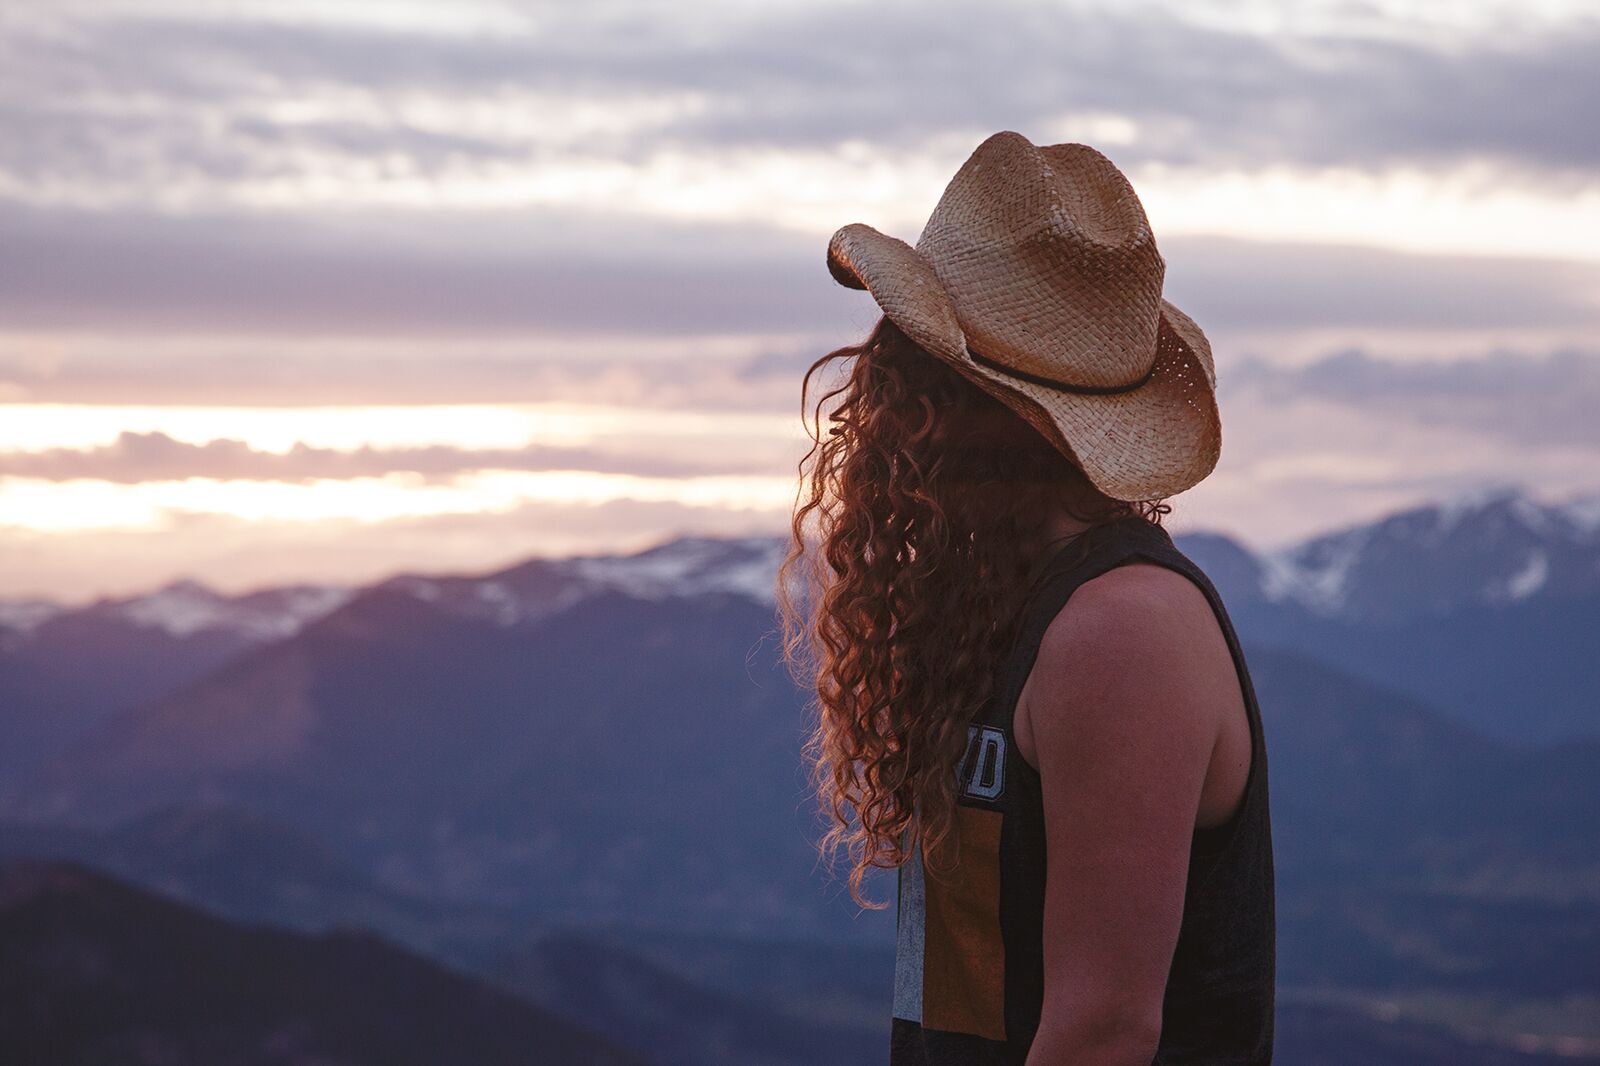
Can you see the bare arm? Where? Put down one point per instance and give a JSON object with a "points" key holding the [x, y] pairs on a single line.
{"points": [[1122, 739]]}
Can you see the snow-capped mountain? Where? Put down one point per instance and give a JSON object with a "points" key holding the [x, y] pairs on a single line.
{"points": [[1500, 546], [21, 616], [184, 608], [685, 567], [1497, 547], [681, 568], [63, 670]]}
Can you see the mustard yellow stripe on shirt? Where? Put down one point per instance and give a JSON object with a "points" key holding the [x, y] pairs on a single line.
{"points": [[964, 962]]}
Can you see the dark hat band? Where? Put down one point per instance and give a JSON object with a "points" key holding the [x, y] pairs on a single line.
{"points": [[1064, 386]]}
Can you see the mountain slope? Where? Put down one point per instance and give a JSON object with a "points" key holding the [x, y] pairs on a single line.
{"points": [[1368, 782], [1486, 607], [638, 760], [1494, 547], [247, 868], [681, 1022], [94, 971], [146, 647], [139, 648], [566, 763]]}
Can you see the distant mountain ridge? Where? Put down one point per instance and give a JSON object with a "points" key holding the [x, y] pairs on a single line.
{"points": [[185, 607], [1491, 548], [683, 566], [1495, 546], [1484, 606]]}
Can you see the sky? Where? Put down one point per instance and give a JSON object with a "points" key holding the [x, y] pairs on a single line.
{"points": [[319, 292]]}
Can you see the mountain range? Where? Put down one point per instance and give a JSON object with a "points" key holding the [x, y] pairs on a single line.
{"points": [[1483, 606], [485, 767]]}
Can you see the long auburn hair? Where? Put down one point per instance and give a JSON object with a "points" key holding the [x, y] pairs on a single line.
{"points": [[900, 600]]}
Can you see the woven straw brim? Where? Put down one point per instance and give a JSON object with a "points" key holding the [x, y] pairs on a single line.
{"points": [[1155, 441]]}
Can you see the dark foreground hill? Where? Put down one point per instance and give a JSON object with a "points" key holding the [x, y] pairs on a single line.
{"points": [[93, 971]]}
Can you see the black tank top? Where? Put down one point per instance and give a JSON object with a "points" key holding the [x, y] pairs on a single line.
{"points": [[969, 973]]}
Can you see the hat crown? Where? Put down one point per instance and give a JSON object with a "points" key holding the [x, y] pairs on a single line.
{"points": [[1038, 279], [1050, 262]]}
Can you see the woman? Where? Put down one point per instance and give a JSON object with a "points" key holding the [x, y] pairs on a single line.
{"points": [[1029, 702]]}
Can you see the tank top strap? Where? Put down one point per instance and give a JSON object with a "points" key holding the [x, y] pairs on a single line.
{"points": [[1058, 574]]}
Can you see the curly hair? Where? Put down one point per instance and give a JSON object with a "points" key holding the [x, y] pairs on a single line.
{"points": [[925, 522]]}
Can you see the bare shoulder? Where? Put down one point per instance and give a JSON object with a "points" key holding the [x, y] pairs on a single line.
{"points": [[1133, 653], [1127, 615]]}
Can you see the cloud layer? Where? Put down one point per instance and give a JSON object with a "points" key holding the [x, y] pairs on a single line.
{"points": [[643, 277], [1384, 214], [208, 100]]}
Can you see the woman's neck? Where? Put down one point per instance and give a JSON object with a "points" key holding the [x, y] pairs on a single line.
{"points": [[1060, 524]]}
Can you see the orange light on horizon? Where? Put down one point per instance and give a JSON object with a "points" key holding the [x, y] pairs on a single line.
{"points": [[82, 504]]}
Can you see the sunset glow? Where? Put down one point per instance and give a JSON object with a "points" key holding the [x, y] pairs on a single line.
{"points": [[41, 506], [313, 289], [43, 426]]}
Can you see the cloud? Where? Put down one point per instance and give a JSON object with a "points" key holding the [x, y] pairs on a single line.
{"points": [[566, 274], [136, 457], [333, 204], [540, 272], [1533, 401], [174, 104], [1241, 284], [1339, 440], [1353, 436]]}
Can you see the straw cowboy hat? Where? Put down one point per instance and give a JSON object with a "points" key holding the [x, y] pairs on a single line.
{"points": [[1038, 278]]}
